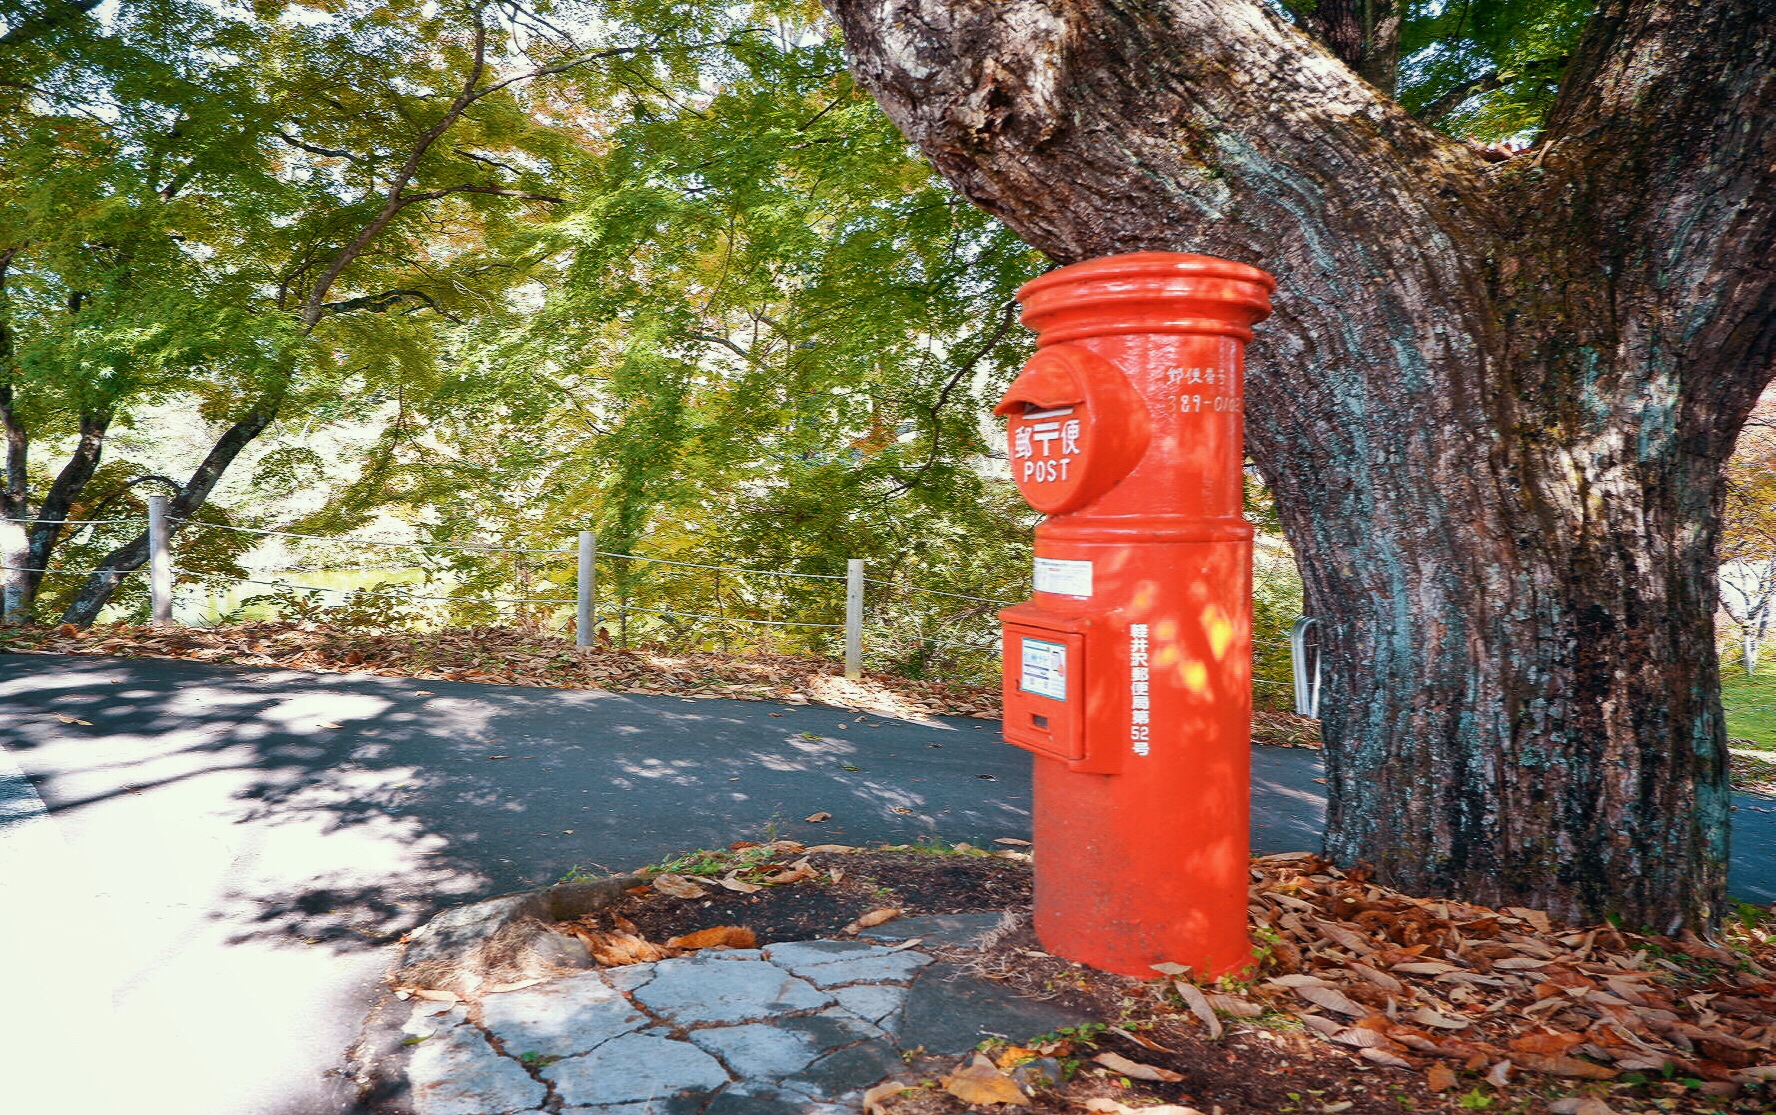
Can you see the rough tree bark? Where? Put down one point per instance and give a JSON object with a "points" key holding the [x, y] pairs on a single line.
{"points": [[1493, 402]]}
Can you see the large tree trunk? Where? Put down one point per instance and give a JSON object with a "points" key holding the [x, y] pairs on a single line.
{"points": [[1492, 403]]}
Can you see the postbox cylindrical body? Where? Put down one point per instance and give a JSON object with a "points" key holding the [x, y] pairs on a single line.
{"points": [[1128, 673]]}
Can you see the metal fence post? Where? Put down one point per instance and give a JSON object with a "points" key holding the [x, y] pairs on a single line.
{"points": [[586, 590], [1304, 655], [854, 618], [160, 564]]}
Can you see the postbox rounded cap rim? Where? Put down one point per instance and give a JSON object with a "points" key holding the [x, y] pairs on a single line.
{"points": [[1137, 265]]}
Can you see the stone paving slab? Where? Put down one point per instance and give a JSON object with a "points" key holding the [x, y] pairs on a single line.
{"points": [[737, 1033]]}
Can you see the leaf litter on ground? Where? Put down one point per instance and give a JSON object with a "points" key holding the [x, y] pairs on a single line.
{"points": [[521, 656]]}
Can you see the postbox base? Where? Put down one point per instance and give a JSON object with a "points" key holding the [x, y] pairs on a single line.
{"points": [[1124, 898]]}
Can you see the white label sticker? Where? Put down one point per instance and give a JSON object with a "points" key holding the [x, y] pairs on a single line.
{"points": [[1045, 669], [1067, 578]]}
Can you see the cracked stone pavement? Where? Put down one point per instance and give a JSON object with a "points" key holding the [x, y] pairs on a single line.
{"points": [[799, 1027]]}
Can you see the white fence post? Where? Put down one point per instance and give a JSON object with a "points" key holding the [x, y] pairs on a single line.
{"points": [[160, 564], [854, 618], [586, 590], [1304, 655]]}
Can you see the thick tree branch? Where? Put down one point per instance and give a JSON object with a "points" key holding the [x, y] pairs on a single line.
{"points": [[316, 149], [999, 95], [496, 191], [97, 591], [384, 301]]}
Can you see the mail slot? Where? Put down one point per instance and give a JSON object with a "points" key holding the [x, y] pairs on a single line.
{"points": [[1045, 690], [1128, 672]]}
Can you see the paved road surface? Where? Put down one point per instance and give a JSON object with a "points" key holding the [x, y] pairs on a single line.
{"points": [[230, 851]]}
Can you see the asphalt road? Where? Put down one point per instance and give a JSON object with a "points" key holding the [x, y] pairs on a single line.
{"points": [[230, 852]]}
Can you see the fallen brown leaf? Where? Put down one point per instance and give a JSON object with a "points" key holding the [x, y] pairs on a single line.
{"points": [[431, 995], [816, 818], [1332, 999], [733, 882], [1135, 1070], [678, 886], [872, 1099], [1233, 1005], [794, 873], [1425, 1016], [1384, 1058], [981, 1082], [722, 936], [870, 920], [1440, 1077], [1556, 1065], [1199, 1006], [1111, 1107]]}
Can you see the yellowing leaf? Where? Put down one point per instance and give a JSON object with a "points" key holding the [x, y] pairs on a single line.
{"points": [[872, 1099], [981, 1082], [871, 919]]}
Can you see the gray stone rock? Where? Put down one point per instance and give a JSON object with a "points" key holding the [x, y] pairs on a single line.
{"points": [[870, 1001], [833, 963], [635, 1068], [959, 930], [895, 967], [629, 977], [677, 1105], [1043, 1072], [848, 1070], [791, 953], [427, 1018], [732, 954], [455, 1072], [693, 993], [559, 1018], [764, 1099], [783, 1047], [758, 1049], [948, 1012]]}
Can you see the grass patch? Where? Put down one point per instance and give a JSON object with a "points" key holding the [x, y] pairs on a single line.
{"points": [[1750, 703]]}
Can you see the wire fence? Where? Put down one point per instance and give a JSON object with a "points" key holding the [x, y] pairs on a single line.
{"points": [[607, 597]]}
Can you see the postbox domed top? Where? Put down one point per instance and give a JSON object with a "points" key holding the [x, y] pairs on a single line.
{"points": [[1142, 292]]}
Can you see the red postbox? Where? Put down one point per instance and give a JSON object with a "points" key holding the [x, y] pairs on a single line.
{"points": [[1128, 674]]}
